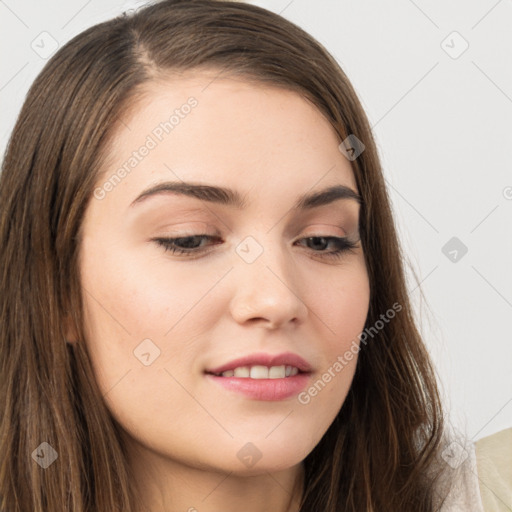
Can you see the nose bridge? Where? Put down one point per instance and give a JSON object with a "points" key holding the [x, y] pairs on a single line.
{"points": [[265, 286]]}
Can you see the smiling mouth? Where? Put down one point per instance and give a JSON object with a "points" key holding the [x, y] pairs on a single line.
{"points": [[263, 382], [260, 372]]}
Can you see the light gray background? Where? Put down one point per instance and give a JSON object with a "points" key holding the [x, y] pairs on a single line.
{"points": [[443, 125]]}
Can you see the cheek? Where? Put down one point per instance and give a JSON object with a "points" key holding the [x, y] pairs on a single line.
{"points": [[342, 309], [141, 294], [140, 308], [342, 306]]}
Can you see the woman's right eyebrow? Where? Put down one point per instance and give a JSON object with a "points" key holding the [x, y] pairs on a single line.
{"points": [[229, 197]]}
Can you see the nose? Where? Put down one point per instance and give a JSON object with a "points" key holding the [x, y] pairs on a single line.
{"points": [[266, 292]]}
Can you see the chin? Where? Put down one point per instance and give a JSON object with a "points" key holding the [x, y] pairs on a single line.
{"points": [[268, 464], [268, 456], [246, 458]]}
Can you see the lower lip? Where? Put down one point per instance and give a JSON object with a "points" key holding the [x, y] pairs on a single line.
{"points": [[264, 389]]}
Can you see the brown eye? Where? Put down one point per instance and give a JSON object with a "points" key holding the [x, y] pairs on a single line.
{"points": [[319, 243], [185, 244]]}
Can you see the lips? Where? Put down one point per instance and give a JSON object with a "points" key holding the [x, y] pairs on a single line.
{"points": [[237, 376], [269, 360]]}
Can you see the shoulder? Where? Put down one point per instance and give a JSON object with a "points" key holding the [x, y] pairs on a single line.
{"points": [[494, 466]]}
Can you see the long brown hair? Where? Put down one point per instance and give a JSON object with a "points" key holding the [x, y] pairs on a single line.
{"points": [[380, 453]]}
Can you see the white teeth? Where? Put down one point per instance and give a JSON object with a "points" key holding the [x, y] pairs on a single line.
{"points": [[242, 371], [277, 372], [259, 372], [262, 372]]}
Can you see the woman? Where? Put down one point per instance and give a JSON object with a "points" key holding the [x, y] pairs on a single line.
{"points": [[204, 306]]}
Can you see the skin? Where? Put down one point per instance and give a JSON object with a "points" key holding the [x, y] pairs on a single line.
{"points": [[182, 431]]}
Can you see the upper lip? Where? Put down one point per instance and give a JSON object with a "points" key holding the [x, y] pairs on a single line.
{"points": [[285, 359]]}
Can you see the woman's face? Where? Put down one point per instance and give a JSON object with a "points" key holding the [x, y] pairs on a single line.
{"points": [[252, 285]]}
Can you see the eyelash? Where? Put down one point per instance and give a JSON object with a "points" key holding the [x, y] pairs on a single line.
{"points": [[344, 245]]}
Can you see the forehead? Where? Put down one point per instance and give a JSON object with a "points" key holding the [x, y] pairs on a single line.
{"points": [[226, 130]]}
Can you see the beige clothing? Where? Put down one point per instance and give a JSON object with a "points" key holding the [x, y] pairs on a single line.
{"points": [[494, 461], [482, 474]]}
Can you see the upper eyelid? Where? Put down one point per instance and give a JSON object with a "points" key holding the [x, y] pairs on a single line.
{"points": [[348, 246], [214, 238], [203, 230], [301, 217]]}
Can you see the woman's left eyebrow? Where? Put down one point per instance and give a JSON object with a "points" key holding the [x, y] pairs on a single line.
{"points": [[230, 197]]}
